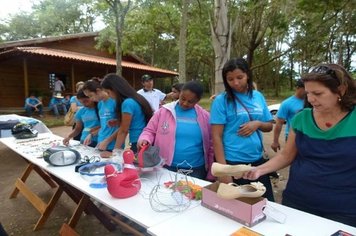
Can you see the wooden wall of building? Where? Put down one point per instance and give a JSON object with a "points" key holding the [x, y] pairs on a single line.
{"points": [[12, 92], [38, 70]]}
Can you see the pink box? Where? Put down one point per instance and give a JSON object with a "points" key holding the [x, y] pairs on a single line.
{"points": [[247, 211]]}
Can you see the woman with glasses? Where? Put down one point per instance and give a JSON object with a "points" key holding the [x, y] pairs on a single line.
{"points": [[181, 130], [321, 148]]}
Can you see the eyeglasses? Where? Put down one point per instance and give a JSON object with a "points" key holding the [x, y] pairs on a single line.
{"points": [[322, 70], [91, 159], [325, 70]]}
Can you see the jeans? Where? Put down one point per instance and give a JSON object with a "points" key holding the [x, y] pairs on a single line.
{"points": [[58, 107], [30, 110], [263, 179]]}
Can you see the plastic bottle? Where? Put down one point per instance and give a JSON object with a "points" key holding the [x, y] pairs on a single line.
{"points": [[117, 159]]}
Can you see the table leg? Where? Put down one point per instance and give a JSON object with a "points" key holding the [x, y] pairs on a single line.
{"points": [[84, 204], [46, 177], [48, 209], [125, 226], [23, 179]]}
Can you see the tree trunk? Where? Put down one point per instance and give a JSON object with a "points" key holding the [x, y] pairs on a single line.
{"points": [[183, 42], [118, 46], [221, 37], [120, 12]]}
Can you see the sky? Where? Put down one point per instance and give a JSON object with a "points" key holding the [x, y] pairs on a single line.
{"points": [[13, 6]]}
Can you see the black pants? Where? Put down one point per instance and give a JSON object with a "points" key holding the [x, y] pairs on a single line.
{"points": [[349, 220], [2, 231], [263, 179]]}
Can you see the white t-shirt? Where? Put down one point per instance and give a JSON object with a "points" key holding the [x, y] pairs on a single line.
{"points": [[58, 86], [153, 97]]}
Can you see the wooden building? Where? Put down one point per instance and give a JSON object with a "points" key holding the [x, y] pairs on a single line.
{"points": [[31, 65]]}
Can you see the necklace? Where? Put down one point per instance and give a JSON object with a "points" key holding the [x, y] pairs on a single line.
{"points": [[328, 124], [331, 120]]}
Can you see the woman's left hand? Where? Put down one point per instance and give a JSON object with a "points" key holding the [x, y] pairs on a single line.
{"points": [[248, 128]]}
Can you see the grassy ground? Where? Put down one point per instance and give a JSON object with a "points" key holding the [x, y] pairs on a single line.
{"points": [[206, 101], [51, 121]]}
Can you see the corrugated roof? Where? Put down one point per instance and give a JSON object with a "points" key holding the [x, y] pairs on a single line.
{"points": [[28, 42], [84, 57]]}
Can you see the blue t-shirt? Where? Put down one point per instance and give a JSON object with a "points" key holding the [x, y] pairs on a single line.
{"points": [[232, 116], [74, 99], [138, 121], [107, 112], [288, 109], [188, 149], [32, 101], [55, 101], [87, 116]]}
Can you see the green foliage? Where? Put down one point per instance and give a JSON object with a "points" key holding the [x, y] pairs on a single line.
{"points": [[283, 38], [49, 18]]}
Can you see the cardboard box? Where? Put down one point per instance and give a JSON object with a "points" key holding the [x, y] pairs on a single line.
{"points": [[247, 211]]}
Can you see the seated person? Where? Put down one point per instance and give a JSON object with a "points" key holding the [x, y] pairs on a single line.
{"points": [[56, 104], [66, 101], [32, 104]]}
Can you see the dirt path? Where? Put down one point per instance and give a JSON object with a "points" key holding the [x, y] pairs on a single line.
{"points": [[18, 216]]}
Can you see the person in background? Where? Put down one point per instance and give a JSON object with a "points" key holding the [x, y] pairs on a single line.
{"points": [[154, 96], [320, 148], [133, 110], [182, 132], [86, 120], [107, 115], [56, 104], [238, 117], [176, 89], [66, 101], [32, 103], [286, 112], [58, 86], [75, 104]]}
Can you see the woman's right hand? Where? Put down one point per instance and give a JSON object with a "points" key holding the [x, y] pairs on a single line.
{"points": [[141, 143], [253, 174], [66, 141], [87, 140]]}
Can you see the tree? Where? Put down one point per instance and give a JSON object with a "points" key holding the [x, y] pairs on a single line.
{"points": [[21, 26], [49, 18], [120, 10], [183, 42], [221, 38]]}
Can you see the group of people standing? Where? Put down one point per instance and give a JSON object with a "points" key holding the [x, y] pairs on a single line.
{"points": [[319, 146]]}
